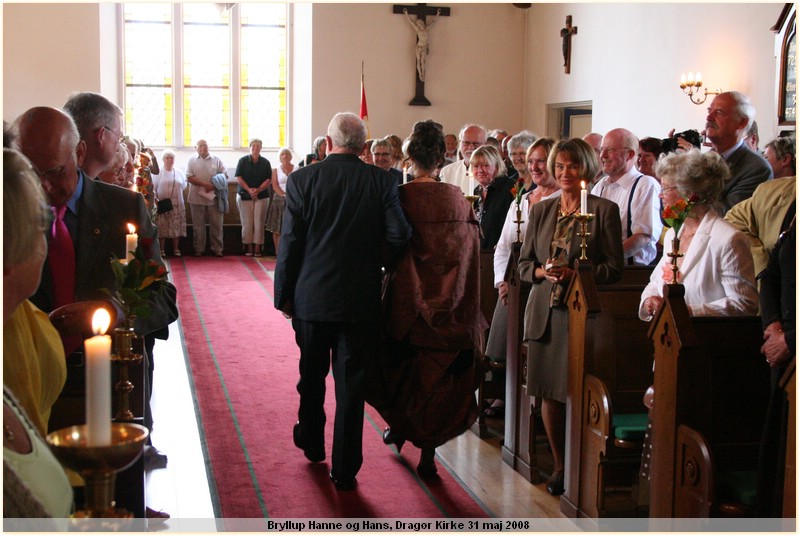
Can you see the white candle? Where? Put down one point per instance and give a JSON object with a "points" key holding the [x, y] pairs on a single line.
{"points": [[131, 241], [405, 174], [584, 196], [472, 186], [98, 382]]}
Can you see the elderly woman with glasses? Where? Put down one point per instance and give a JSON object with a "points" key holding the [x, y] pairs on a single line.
{"points": [[116, 173], [493, 189], [170, 184], [716, 268]]}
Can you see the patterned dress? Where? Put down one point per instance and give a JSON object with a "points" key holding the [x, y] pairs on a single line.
{"points": [[170, 185]]}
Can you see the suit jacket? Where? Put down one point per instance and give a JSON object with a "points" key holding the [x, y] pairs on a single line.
{"points": [[339, 215], [604, 249], [760, 217], [397, 174], [717, 271], [103, 212], [748, 170]]}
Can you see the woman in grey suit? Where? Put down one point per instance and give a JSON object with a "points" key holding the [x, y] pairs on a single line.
{"points": [[550, 248]]}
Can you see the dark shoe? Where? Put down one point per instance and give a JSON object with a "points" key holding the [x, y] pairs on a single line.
{"points": [[218, 254], [314, 456], [555, 486], [155, 517], [495, 411], [391, 439], [427, 470], [344, 484], [154, 459]]}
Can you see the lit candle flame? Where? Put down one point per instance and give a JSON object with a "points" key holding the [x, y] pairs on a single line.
{"points": [[583, 185], [100, 321], [131, 228]]}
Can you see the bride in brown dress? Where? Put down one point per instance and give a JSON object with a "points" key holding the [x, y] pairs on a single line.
{"points": [[425, 382]]}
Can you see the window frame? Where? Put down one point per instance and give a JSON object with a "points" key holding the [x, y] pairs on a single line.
{"points": [[234, 33]]}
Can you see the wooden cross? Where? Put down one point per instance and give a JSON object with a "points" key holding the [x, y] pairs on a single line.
{"points": [[421, 11], [566, 42]]}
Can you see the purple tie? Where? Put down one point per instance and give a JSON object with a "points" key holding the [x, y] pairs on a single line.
{"points": [[62, 260]]}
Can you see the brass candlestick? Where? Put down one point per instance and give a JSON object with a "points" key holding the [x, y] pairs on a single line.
{"points": [[584, 219], [519, 221], [124, 356], [675, 254], [99, 465]]}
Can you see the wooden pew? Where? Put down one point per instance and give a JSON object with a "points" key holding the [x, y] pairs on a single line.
{"points": [[610, 368], [711, 393], [488, 300], [522, 422], [789, 384]]}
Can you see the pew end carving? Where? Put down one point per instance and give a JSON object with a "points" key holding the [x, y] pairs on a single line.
{"points": [[710, 379], [610, 367], [524, 443]]}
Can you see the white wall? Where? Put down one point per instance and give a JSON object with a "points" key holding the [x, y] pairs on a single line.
{"points": [[474, 69], [627, 59], [49, 51], [491, 63]]}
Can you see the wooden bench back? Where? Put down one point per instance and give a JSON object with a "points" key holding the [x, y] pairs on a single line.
{"points": [[711, 377], [608, 341]]}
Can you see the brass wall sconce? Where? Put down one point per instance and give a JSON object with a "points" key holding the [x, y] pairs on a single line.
{"points": [[691, 86]]}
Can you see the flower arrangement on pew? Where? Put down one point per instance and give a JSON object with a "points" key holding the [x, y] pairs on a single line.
{"points": [[675, 215], [517, 192]]}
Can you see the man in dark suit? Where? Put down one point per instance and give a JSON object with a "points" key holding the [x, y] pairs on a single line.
{"points": [[729, 118], [96, 216], [340, 214]]}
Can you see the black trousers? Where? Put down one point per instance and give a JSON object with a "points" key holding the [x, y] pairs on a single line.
{"points": [[347, 347]]}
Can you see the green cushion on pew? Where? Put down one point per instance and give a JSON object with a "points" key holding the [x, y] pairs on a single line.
{"points": [[629, 426], [738, 486]]}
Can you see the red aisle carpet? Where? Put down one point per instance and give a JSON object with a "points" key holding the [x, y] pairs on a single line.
{"points": [[244, 364]]}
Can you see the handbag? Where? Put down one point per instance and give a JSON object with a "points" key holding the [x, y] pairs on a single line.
{"points": [[164, 205]]}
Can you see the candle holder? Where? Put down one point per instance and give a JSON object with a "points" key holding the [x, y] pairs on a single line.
{"points": [[124, 356], [519, 221], [675, 254], [584, 219], [99, 465]]}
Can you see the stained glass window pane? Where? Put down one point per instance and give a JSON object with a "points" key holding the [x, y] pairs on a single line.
{"points": [[148, 72], [206, 74], [263, 73]]}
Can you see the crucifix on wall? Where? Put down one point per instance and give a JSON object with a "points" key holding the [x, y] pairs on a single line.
{"points": [[566, 42], [421, 26]]}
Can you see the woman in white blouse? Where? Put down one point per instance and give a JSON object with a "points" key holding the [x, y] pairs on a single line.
{"points": [[544, 186], [717, 267], [170, 184]]}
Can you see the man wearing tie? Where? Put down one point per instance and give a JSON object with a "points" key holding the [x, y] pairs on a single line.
{"points": [[89, 226], [729, 117]]}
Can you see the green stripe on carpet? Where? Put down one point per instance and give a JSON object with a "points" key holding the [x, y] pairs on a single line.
{"points": [[244, 365]]}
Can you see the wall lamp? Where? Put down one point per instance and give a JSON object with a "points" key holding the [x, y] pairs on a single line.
{"points": [[691, 86]]}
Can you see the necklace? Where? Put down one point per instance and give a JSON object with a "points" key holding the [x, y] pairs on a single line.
{"points": [[562, 212]]}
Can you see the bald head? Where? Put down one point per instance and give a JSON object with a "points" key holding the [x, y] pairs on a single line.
{"points": [[50, 140], [618, 152]]}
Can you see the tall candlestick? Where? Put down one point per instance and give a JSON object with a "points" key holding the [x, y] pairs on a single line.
{"points": [[472, 185], [131, 242], [584, 198], [98, 382], [405, 174]]}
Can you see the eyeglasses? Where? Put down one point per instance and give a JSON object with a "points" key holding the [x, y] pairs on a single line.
{"points": [[117, 171], [381, 155], [612, 149], [466, 143], [119, 135], [666, 189], [48, 173]]}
